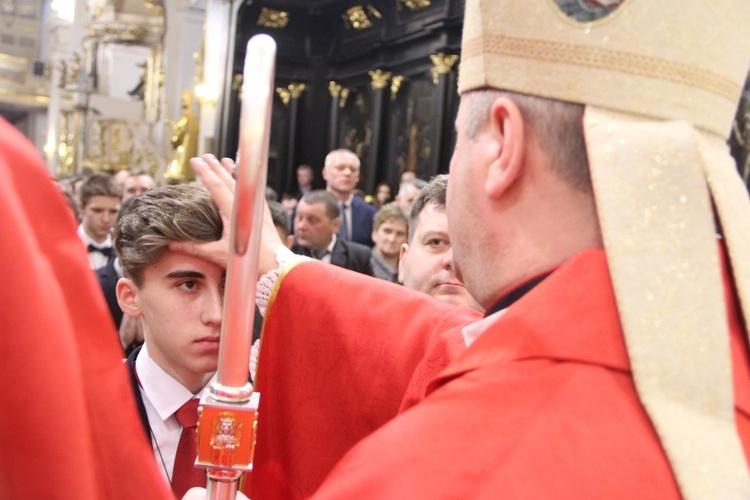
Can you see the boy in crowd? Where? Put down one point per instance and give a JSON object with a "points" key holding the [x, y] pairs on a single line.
{"points": [[179, 299], [100, 203], [390, 227]]}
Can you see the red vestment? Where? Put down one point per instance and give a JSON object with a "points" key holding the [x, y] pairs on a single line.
{"points": [[332, 377], [69, 423], [541, 405]]}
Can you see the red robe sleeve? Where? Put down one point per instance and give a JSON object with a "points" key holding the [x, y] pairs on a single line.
{"points": [[69, 423], [336, 359]]}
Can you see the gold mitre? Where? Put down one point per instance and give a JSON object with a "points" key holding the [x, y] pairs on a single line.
{"points": [[666, 59]]}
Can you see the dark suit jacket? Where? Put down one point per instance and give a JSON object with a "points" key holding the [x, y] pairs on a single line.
{"points": [[362, 214], [352, 256], [346, 254], [108, 279], [137, 392]]}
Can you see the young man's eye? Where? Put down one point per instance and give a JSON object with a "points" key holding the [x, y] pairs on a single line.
{"points": [[189, 285]]}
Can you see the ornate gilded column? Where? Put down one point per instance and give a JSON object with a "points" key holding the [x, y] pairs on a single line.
{"points": [[333, 123], [380, 82], [444, 78], [290, 97]]}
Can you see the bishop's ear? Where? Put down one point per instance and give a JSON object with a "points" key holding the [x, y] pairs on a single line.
{"points": [[507, 130], [127, 297]]}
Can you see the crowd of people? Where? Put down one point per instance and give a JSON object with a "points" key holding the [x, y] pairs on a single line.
{"points": [[555, 317]]}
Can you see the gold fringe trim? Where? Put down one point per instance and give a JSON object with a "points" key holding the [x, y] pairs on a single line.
{"points": [[274, 291]]}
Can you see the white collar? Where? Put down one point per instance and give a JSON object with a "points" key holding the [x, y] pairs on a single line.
{"points": [[332, 243], [165, 393], [473, 331]]}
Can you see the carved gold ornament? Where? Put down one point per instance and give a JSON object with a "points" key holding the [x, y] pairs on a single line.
{"points": [[443, 63], [379, 79], [334, 89], [396, 82], [415, 4], [276, 19], [358, 17]]}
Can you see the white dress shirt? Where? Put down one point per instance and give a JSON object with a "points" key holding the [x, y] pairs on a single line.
{"points": [[162, 397], [96, 259]]}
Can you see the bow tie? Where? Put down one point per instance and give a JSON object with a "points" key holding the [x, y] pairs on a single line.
{"points": [[106, 251]]}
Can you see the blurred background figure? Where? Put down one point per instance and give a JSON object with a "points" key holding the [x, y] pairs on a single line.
{"points": [[305, 177], [383, 195], [271, 194], [390, 229], [407, 193], [341, 172], [135, 183], [280, 218], [100, 203], [406, 175]]}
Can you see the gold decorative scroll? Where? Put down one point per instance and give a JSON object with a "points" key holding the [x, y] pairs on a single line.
{"points": [[334, 89], [344, 96], [285, 94], [415, 4], [296, 89], [396, 82], [276, 19], [358, 17], [291, 91], [443, 63], [379, 79], [237, 82]]}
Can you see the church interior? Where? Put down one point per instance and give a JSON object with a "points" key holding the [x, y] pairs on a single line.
{"points": [[107, 85]]}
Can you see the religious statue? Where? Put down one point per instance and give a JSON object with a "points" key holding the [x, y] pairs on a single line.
{"points": [[63, 74], [225, 440], [184, 142]]}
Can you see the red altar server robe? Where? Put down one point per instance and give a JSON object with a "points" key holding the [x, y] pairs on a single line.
{"points": [[542, 405], [69, 423]]}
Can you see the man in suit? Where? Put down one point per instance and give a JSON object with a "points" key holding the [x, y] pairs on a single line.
{"points": [[305, 176], [341, 173], [179, 301], [315, 226]]}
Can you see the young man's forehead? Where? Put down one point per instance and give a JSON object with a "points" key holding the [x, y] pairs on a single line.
{"points": [[101, 201], [394, 221]]}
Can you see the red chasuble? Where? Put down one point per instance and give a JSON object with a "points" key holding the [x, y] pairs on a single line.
{"points": [[69, 424], [338, 352], [542, 405]]}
